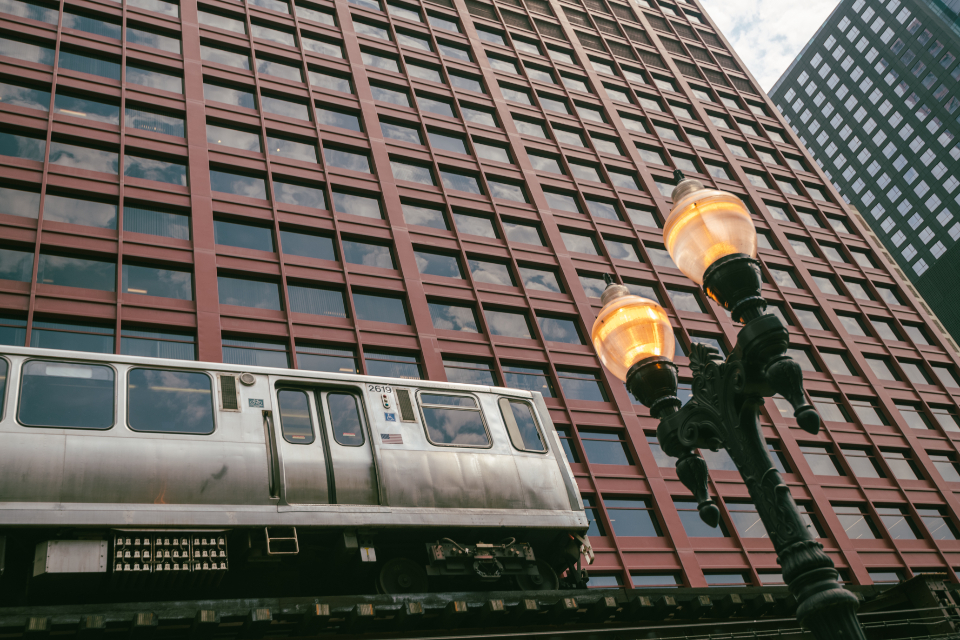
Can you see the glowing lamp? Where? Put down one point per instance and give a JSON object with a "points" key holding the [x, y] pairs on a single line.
{"points": [[706, 225], [630, 329]]}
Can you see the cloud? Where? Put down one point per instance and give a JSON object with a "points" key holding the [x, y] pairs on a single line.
{"points": [[768, 34]]}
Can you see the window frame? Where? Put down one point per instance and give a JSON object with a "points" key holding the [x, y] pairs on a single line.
{"points": [[536, 420], [214, 389], [479, 409], [116, 378], [314, 428]]}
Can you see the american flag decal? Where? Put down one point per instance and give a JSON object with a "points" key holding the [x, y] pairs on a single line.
{"points": [[391, 438]]}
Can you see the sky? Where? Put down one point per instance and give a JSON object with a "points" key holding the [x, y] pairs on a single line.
{"points": [[768, 34]]}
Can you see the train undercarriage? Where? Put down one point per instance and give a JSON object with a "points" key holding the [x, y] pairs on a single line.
{"points": [[41, 566]]}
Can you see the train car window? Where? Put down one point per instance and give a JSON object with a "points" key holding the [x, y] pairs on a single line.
{"points": [[521, 425], [164, 401], [66, 394], [453, 420], [295, 421], [3, 384], [345, 419]]}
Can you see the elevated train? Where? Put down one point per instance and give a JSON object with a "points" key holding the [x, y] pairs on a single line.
{"points": [[139, 478]]}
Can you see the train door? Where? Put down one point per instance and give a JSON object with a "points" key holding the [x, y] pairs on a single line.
{"points": [[354, 476], [301, 444]]}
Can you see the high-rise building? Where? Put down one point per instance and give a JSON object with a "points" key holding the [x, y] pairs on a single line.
{"points": [[435, 189], [875, 97]]}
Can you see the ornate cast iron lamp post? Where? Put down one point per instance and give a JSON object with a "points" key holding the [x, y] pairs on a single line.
{"points": [[711, 238]]}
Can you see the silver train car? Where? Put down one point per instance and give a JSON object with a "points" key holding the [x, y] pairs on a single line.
{"points": [[140, 477]]}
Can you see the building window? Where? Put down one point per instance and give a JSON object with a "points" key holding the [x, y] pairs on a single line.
{"points": [[593, 517], [528, 379], [579, 385], [566, 441], [300, 195], [898, 523], [392, 365], [913, 416], [316, 301], [559, 330], [307, 245], [155, 223], [685, 301], [71, 337], [946, 465], [244, 236], [424, 216], [693, 525], [464, 372], [380, 308], [605, 447], [663, 460], [255, 353], [539, 280], [632, 517], [238, 185], [68, 271], [504, 323], [326, 359], [151, 281], [357, 205], [80, 211], [938, 523], [822, 461], [901, 465], [881, 369], [255, 294], [158, 344], [862, 463], [449, 317], [726, 579], [438, 264], [946, 418], [746, 519], [868, 412], [370, 255], [856, 522], [13, 332]]}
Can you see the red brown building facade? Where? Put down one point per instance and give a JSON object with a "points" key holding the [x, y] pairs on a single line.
{"points": [[436, 189]]}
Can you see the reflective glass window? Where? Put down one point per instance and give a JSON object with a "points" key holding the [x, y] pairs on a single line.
{"points": [[392, 365], [24, 147], [164, 401], [255, 353], [150, 169], [68, 271], [345, 419], [155, 122], [299, 195], [154, 79], [77, 211], [77, 107], [19, 96], [521, 425], [326, 359], [307, 245], [151, 281], [356, 205], [256, 294], [469, 372], [453, 420], [451, 317], [529, 379], [158, 344], [296, 425], [380, 308], [66, 394], [71, 337], [238, 185], [371, 255], [316, 301], [245, 236]]}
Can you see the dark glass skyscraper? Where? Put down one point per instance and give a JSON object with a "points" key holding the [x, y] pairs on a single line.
{"points": [[875, 96], [436, 189]]}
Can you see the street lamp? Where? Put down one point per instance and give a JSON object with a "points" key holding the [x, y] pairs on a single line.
{"points": [[711, 238]]}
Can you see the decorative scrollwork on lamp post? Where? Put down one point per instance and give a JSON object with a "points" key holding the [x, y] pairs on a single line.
{"points": [[711, 238]]}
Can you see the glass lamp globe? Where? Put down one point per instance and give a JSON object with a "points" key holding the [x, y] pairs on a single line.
{"points": [[704, 226], [630, 329]]}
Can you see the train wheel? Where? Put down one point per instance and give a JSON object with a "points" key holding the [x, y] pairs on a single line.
{"points": [[546, 581], [402, 575]]}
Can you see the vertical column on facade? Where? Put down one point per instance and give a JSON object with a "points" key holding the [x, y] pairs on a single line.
{"points": [[407, 264], [201, 199]]}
